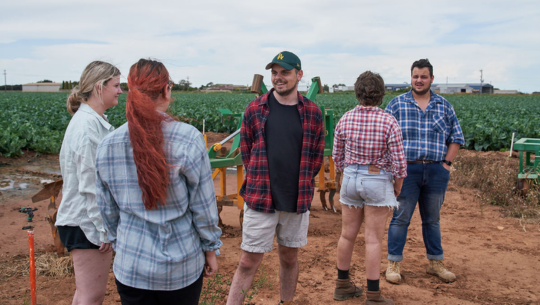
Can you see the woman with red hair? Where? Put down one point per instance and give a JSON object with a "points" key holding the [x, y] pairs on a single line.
{"points": [[156, 197]]}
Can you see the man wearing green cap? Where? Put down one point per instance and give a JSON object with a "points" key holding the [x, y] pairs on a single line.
{"points": [[282, 146]]}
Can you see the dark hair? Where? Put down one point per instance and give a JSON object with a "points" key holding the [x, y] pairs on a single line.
{"points": [[147, 80], [422, 63], [369, 89]]}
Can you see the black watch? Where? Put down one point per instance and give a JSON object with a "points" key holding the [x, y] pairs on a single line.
{"points": [[449, 163]]}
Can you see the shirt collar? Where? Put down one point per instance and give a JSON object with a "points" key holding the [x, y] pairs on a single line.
{"points": [[364, 108], [102, 119]]}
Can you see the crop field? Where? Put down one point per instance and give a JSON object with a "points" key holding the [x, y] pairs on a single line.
{"points": [[37, 121]]}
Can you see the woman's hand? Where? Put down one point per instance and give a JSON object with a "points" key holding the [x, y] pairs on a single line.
{"points": [[210, 265], [105, 248]]}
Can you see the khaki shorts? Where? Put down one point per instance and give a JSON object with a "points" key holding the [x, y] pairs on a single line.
{"points": [[258, 230]]}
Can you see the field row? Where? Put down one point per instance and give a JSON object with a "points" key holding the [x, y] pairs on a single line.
{"points": [[37, 121]]}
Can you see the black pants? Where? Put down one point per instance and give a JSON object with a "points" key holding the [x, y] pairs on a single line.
{"points": [[134, 296]]}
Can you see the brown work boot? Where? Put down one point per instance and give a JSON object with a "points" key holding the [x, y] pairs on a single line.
{"points": [[346, 289], [393, 272], [439, 269], [375, 298]]}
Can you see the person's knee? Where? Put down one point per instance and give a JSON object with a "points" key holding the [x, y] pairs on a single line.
{"points": [[348, 236], [431, 221], [289, 257], [250, 261], [372, 240]]}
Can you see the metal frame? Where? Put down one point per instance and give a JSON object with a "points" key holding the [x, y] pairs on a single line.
{"points": [[529, 170]]}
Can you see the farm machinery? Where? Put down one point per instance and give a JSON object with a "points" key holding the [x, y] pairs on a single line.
{"points": [[529, 166], [221, 158]]}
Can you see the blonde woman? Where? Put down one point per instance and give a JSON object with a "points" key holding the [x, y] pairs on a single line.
{"points": [[79, 222]]}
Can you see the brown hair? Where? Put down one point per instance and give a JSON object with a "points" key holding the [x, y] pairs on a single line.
{"points": [[422, 63], [369, 89], [97, 72], [147, 80]]}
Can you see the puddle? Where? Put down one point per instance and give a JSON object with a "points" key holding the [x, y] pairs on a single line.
{"points": [[23, 185], [55, 170], [6, 184]]}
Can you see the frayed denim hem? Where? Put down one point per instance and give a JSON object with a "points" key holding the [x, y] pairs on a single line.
{"points": [[392, 207]]}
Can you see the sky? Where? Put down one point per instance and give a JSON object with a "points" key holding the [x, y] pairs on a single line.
{"points": [[228, 42]]}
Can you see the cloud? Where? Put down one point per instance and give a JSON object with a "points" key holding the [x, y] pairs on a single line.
{"points": [[229, 41]]}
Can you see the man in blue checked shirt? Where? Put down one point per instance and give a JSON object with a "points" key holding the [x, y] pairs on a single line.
{"points": [[431, 138]]}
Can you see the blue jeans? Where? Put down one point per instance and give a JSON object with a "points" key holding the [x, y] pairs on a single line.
{"points": [[425, 184]]}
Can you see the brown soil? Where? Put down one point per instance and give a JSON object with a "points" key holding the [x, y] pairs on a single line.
{"points": [[496, 259]]}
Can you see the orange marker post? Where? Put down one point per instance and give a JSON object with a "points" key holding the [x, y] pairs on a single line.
{"points": [[31, 257], [32, 267]]}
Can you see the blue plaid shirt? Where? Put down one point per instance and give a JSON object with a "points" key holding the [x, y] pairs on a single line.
{"points": [[426, 135], [158, 249]]}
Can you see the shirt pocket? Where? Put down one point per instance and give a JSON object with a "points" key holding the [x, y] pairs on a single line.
{"points": [[439, 125]]}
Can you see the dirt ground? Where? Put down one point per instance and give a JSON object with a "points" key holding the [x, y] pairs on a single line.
{"points": [[496, 259]]}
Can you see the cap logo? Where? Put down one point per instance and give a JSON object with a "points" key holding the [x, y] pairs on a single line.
{"points": [[297, 65], [280, 56]]}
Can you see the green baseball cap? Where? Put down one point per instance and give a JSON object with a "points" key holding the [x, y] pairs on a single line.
{"points": [[287, 60]]}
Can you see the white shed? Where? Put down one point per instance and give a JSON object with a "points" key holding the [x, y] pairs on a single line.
{"points": [[41, 87]]}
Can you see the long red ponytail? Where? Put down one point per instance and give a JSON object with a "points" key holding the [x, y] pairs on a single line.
{"points": [[148, 80]]}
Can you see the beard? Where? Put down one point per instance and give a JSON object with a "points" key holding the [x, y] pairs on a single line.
{"points": [[286, 92], [421, 92]]}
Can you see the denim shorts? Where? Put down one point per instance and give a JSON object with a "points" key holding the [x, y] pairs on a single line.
{"points": [[361, 188]]}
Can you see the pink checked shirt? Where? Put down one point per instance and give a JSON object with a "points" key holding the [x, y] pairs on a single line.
{"points": [[368, 135]]}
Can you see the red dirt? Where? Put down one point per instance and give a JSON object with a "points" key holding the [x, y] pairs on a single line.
{"points": [[496, 259]]}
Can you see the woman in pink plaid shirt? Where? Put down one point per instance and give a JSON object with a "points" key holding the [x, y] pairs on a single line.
{"points": [[368, 149]]}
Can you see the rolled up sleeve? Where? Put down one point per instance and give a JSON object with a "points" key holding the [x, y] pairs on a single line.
{"points": [[86, 175], [202, 198], [456, 134], [109, 210], [338, 153], [395, 146]]}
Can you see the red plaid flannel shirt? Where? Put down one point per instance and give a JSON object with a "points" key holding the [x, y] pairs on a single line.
{"points": [[256, 187], [368, 135]]}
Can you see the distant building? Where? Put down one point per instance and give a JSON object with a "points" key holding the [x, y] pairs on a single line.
{"points": [[41, 87], [343, 88], [462, 88], [452, 88], [395, 87], [505, 92]]}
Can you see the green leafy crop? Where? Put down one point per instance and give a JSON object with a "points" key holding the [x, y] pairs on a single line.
{"points": [[37, 121]]}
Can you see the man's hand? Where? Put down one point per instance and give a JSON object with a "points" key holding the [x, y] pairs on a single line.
{"points": [[446, 166], [105, 248], [398, 183], [211, 264]]}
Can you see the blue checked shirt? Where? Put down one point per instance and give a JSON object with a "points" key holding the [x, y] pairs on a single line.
{"points": [[158, 249], [426, 135]]}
